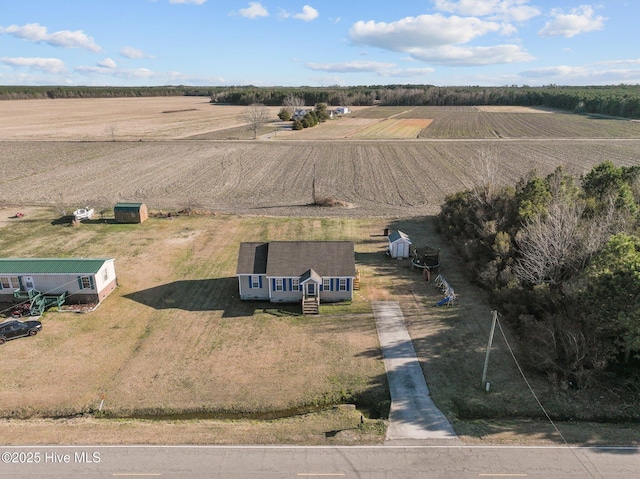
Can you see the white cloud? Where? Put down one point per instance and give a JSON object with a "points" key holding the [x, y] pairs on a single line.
{"points": [[130, 52], [454, 55], [254, 10], [144, 76], [194, 2], [107, 63], [559, 71], [511, 10], [36, 33], [580, 75], [308, 13], [117, 72], [424, 31], [579, 20], [436, 39], [49, 65], [635, 61], [350, 67], [411, 72], [383, 69]]}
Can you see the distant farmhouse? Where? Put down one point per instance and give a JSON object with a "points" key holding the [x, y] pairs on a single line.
{"points": [[341, 110], [80, 280], [297, 271], [299, 113]]}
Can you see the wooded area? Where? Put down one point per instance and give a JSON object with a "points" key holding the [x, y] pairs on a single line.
{"points": [[561, 255], [613, 100]]}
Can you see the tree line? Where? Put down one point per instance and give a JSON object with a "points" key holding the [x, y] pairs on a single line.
{"points": [[561, 257], [613, 100]]}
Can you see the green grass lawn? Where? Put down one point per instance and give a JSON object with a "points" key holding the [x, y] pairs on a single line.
{"points": [[174, 342]]}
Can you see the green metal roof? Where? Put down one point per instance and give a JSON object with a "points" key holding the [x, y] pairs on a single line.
{"points": [[51, 265], [127, 206]]}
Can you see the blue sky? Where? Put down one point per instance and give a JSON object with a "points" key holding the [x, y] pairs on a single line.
{"points": [[319, 42]]}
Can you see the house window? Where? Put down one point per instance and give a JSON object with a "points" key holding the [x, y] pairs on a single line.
{"points": [[342, 285], [279, 284], [255, 281], [326, 284], [295, 284], [105, 275], [86, 282], [9, 282]]}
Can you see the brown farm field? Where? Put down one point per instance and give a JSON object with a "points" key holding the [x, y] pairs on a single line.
{"points": [[173, 343], [62, 153], [388, 178]]}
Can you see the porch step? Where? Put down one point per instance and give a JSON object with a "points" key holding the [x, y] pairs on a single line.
{"points": [[356, 281], [310, 306]]}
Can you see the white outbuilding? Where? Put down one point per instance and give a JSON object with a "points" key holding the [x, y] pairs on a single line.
{"points": [[399, 245]]}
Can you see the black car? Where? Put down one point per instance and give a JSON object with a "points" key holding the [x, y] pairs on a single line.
{"points": [[16, 329]]}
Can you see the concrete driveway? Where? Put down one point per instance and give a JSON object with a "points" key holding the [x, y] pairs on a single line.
{"points": [[413, 414]]}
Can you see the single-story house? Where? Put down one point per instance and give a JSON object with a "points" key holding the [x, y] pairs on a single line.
{"points": [[130, 212], [294, 271], [399, 245], [341, 110], [83, 280], [299, 113]]}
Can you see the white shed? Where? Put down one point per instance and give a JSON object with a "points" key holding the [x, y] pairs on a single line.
{"points": [[399, 245]]}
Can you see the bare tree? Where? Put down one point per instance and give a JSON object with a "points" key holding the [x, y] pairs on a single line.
{"points": [[487, 168], [292, 103], [550, 245], [112, 130], [255, 115]]}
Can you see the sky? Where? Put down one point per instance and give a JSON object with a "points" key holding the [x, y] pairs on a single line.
{"points": [[319, 42]]}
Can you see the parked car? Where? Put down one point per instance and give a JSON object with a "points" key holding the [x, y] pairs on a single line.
{"points": [[16, 329]]}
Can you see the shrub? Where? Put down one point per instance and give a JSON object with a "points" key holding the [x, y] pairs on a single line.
{"points": [[284, 114]]}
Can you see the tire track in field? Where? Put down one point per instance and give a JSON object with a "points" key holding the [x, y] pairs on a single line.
{"points": [[362, 167]]}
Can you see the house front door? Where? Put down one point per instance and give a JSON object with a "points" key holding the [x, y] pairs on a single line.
{"points": [[311, 290]]}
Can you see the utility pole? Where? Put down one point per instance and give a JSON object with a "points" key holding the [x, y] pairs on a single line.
{"points": [[486, 359]]}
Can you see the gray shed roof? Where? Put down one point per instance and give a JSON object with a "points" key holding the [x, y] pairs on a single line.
{"points": [[295, 258], [397, 235]]}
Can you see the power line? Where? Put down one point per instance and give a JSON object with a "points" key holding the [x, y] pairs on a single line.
{"points": [[535, 396]]}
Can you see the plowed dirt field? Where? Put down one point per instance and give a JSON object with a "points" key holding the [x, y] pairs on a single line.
{"points": [[96, 152]]}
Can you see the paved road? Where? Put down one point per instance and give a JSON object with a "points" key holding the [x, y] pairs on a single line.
{"points": [[413, 413], [281, 462]]}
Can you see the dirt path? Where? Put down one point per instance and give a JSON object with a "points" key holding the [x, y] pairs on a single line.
{"points": [[413, 414]]}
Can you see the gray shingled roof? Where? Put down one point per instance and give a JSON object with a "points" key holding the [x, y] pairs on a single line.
{"points": [[252, 258], [396, 235], [294, 258]]}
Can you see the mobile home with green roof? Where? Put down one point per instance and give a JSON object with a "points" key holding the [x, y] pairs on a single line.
{"points": [[84, 280]]}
